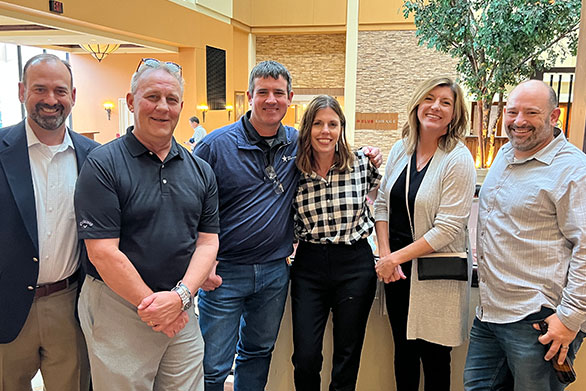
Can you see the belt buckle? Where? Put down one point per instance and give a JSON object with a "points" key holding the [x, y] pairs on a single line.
{"points": [[41, 290]]}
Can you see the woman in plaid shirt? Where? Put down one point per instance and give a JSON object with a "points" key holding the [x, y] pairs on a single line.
{"points": [[334, 264]]}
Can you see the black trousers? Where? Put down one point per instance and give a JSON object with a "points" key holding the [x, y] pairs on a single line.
{"points": [[335, 277], [411, 354]]}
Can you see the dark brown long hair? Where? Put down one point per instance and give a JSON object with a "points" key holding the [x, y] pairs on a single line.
{"points": [[343, 158]]}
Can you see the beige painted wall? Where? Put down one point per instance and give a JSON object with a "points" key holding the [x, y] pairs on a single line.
{"points": [[383, 12], [282, 13], [266, 13]]}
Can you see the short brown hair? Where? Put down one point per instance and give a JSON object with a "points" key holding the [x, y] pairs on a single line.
{"points": [[343, 158]]}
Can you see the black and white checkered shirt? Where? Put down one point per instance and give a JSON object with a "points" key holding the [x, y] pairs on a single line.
{"points": [[334, 209]]}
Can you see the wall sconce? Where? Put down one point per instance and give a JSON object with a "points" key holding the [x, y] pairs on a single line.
{"points": [[229, 109], [108, 106], [203, 109]]}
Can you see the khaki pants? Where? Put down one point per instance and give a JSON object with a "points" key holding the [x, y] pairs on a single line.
{"points": [[126, 354], [51, 340]]}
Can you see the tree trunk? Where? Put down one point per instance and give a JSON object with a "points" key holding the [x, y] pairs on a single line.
{"points": [[494, 120], [483, 134], [492, 124]]}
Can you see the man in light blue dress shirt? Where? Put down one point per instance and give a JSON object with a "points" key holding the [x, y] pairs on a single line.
{"points": [[531, 251]]}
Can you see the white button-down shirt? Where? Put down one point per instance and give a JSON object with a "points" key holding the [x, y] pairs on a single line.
{"points": [[54, 172], [531, 242]]}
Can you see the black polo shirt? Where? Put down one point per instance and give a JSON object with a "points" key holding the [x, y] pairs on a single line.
{"points": [[155, 208]]}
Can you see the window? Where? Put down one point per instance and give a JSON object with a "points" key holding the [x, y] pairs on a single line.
{"points": [[216, 78], [10, 112], [12, 59]]}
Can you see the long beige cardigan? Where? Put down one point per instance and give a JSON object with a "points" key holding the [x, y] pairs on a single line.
{"points": [[438, 309]]}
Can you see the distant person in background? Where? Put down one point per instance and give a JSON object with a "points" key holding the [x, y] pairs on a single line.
{"points": [[198, 132], [334, 265], [427, 317]]}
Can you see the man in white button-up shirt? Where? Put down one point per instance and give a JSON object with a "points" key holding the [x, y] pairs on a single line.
{"points": [[39, 249], [531, 251]]}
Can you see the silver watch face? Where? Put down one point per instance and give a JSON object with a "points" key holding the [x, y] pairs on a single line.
{"points": [[184, 295], [188, 305], [187, 300]]}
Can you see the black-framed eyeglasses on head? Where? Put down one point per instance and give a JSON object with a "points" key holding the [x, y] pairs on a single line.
{"points": [[154, 63], [272, 176]]}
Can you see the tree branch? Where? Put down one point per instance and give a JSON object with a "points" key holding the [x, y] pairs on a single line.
{"points": [[550, 44]]}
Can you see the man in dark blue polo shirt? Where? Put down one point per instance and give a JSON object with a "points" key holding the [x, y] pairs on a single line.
{"points": [[242, 303], [148, 211]]}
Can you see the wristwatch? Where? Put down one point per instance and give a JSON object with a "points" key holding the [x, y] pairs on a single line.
{"points": [[184, 294]]}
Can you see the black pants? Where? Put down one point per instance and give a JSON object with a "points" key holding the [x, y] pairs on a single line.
{"points": [[411, 354], [342, 279]]}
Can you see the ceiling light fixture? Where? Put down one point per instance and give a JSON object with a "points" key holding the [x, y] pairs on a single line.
{"points": [[100, 50]]}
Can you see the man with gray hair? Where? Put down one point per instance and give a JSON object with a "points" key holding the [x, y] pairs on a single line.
{"points": [[531, 252], [40, 251], [148, 212], [242, 303]]}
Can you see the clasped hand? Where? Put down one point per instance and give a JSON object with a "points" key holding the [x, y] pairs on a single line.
{"points": [[388, 269], [163, 311]]}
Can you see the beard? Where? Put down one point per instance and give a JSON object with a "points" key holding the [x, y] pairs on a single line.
{"points": [[529, 142], [49, 122]]}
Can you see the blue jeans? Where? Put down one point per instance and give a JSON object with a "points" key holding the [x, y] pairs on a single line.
{"points": [[509, 357], [242, 316]]}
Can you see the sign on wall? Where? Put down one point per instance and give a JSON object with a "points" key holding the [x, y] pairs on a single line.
{"points": [[377, 121]]}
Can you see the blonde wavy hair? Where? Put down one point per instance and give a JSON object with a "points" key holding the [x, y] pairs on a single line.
{"points": [[457, 127]]}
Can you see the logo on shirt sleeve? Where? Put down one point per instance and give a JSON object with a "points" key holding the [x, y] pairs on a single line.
{"points": [[85, 224]]}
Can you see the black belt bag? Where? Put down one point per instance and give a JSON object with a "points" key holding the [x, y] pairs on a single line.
{"points": [[443, 266]]}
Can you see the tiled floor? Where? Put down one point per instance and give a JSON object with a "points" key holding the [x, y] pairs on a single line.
{"points": [[37, 382], [229, 384]]}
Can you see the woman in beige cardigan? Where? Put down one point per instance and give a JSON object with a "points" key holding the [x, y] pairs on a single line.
{"points": [[427, 317]]}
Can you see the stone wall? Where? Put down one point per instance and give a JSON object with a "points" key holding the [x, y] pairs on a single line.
{"points": [[390, 65], [314, 60]]}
